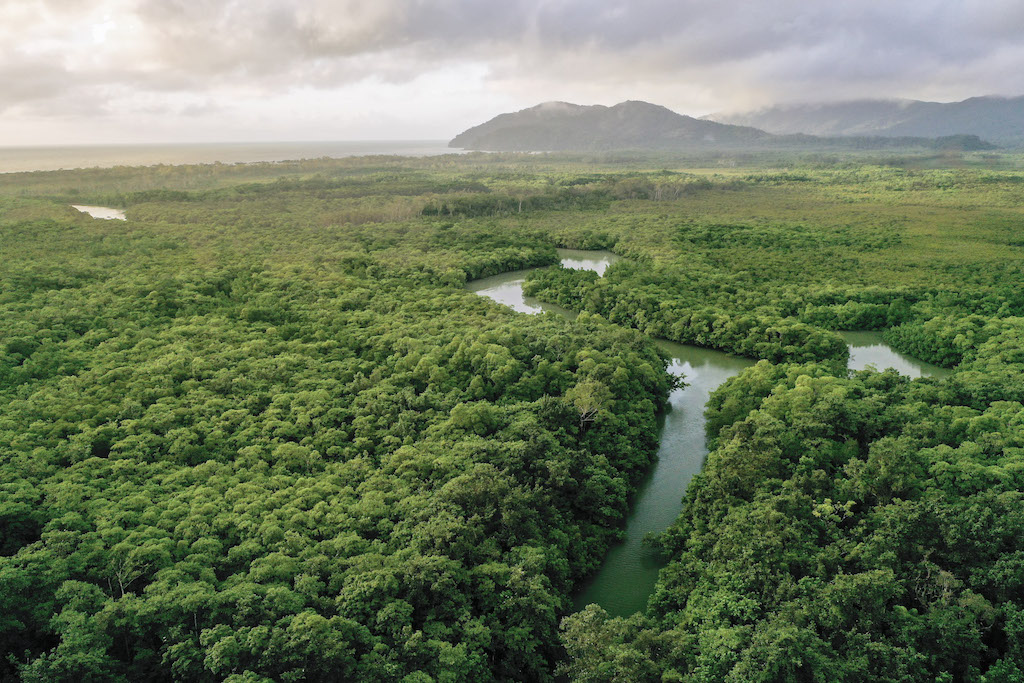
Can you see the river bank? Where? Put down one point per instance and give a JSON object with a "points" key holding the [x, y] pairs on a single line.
{"points": [[627, 577]]}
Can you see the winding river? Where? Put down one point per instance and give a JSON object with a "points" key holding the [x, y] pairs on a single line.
{"points": [[626, 578]]}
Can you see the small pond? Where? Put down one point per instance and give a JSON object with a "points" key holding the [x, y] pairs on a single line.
{"points": [[868, 349], [104, 212]]}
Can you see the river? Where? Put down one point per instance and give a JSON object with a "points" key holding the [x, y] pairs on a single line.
{"points": [[507, 288], [628, 574]]}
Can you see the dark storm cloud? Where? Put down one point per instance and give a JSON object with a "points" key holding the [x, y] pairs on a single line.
{"points": [[784, 49]]}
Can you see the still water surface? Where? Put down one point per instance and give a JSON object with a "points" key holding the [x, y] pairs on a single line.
{"points": [[104, 212], [627, 577], [507, 288], [628, 574], [868, 349]]}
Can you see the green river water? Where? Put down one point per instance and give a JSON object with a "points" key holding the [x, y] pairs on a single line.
{"points": [[626, 578]]}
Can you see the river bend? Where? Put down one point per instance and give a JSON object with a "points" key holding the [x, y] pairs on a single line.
{"points": [[628, 574]]}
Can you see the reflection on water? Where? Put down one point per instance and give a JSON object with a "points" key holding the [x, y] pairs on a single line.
{"points": [[507, 288], [627, 577], [628, 574], [104, 212], [867, 348], [581, 259]]}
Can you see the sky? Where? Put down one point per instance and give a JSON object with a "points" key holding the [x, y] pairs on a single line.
{"points": [[124, 71]]}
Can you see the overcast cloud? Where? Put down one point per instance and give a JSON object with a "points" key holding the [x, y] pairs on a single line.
{"points": [[135, 70]]}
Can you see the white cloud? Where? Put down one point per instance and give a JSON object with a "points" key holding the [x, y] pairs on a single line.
{"points": [[197, 69]]}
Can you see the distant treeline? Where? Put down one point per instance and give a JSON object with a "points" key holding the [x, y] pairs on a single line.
{"points": [[585, 193], [959, 143]]}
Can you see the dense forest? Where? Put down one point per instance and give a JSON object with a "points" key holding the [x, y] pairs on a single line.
{"points": [[260, 431]]}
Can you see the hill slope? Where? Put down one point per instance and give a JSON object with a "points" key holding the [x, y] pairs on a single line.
{"points": [[562, 126], [999, 119]]}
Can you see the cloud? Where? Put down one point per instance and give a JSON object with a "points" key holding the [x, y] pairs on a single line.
{"points": [[59, 57]]}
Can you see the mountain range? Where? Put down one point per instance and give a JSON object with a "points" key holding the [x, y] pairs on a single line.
{"points": [[561, 126], [997, 119]]}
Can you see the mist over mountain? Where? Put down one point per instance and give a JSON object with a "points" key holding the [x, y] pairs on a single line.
{"points": [[554, 126], [998, 119]]}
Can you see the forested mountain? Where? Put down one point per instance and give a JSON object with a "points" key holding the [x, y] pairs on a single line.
{"points": [[564, 126], [260, 431], [997, 119], [555, 126]]}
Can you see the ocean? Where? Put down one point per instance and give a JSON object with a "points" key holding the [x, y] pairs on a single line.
{"points": [[19, 159]]}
